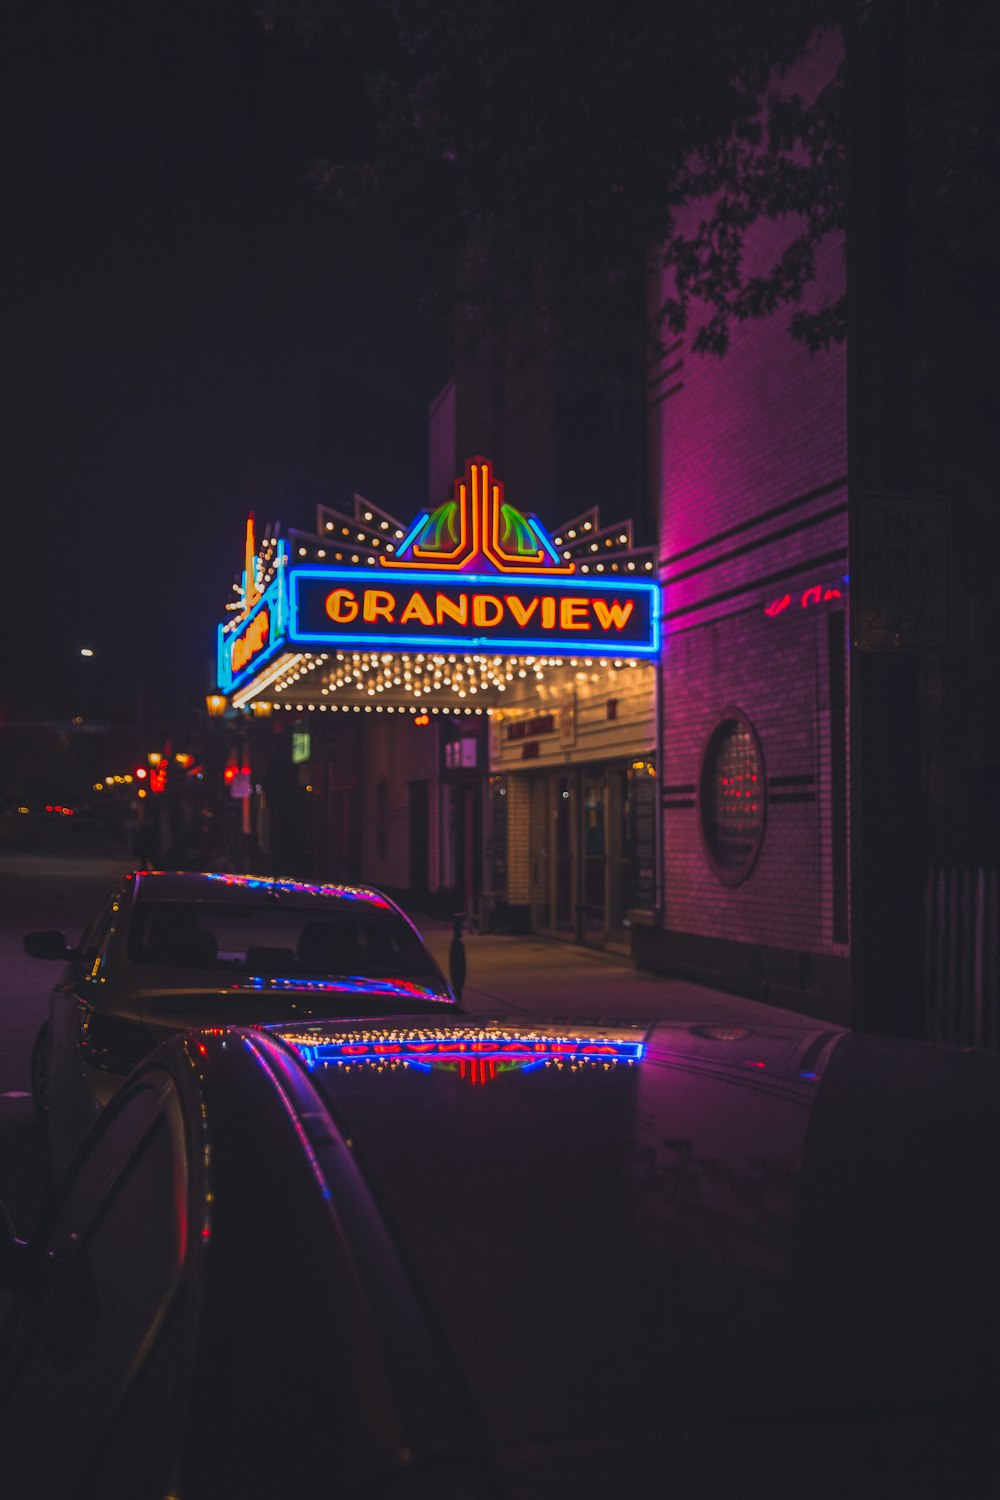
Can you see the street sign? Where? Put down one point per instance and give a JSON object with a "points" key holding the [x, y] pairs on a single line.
{"points": [[900, 574]]}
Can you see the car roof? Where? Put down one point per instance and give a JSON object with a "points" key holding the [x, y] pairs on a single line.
{"points": [[220, 886], [682, 1224]]}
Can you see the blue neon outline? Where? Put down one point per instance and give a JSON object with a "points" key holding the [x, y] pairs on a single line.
{"points": [[502, 646], [418, 523], [281, 565], [223, 672], [541, 537]]}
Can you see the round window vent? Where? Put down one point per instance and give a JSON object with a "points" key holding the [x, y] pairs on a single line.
{"points": [[732, 801]]}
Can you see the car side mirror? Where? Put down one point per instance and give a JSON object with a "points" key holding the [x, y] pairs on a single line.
{"points": [[13, 1254], [47, 945]]}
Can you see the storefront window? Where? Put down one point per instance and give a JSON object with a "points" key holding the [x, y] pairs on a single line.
{"points": [[731, 797]]}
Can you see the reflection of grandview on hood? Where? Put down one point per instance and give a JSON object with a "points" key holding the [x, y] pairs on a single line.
{"points": [[743, 1226]]}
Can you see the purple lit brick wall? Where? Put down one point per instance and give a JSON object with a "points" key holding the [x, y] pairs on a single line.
{"points": [[753, 464]]}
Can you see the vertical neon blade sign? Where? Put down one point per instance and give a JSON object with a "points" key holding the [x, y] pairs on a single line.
{"points": [[261, 628]]}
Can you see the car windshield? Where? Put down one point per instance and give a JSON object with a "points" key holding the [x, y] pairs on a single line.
{"points": [[345, 937]]}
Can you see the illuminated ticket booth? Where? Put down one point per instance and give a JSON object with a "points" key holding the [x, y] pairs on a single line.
{"points": [[485, 693]]}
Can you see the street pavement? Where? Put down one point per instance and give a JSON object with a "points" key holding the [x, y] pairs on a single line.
{"points": [[531, 976]]}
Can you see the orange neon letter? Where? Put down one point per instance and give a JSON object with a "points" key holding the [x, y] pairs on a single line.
{"points": [[522, 612], [251, 641], [615, 614], [416, 609], [573, 614], [481, 605], [342, 606], [378, 605], [548, 612], [452, 609]]}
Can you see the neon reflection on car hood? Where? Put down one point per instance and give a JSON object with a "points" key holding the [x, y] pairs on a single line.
{"points": [[476, 1054]]}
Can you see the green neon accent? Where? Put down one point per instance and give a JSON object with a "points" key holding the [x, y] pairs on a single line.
{"points": [[438, 519], [514, 522]]}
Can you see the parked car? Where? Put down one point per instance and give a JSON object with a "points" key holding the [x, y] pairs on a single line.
{"points": [[168, 951], [454, 1258]]}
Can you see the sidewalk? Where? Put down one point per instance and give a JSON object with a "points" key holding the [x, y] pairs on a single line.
{"points": [[540, 978]]}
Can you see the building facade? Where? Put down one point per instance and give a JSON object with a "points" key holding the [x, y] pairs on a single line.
{"points": [[481, 740], [753, 563], [470, 705]]}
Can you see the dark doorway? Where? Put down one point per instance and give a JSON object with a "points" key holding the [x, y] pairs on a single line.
{"points": [[468, 846], [419, 840]]}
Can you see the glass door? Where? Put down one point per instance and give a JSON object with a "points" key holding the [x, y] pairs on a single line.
{"points": [[594, 827], [553, 853]]}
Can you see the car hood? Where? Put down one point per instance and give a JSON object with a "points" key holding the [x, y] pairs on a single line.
{"points": [[740, 1226]]}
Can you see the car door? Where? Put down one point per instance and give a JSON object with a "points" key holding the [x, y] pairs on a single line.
{"points": [[81, 978], [102, 1331], [82, 961]]}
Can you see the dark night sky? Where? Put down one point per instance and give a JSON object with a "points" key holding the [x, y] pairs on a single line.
{"points": [[190, 331]]}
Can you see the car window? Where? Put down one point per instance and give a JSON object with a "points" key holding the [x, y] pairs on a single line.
{"points": [[351, 937], [111, 1285]]}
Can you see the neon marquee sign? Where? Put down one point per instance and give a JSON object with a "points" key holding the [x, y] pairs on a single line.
{"points": [[473, 574], [421, 610]]}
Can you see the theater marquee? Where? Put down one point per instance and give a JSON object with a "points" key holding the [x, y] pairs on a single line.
{"points": [[474, 574], [430, 611]]}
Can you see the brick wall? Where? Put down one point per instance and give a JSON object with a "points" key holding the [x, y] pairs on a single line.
{"points": [[777, 671], [753, 497]]}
